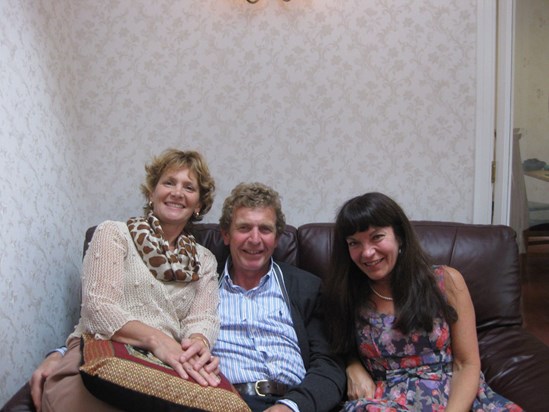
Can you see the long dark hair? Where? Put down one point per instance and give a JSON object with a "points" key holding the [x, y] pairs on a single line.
{"points": [[417, 298]]}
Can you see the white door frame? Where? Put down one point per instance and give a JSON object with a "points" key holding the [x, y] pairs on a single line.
{"points": [[504, 113], [495, 29]]}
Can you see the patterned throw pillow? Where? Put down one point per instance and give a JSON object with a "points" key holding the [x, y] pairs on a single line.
{"points": [[132, 379]]}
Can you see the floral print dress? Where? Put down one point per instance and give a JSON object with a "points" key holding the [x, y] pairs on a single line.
{"points": [[412, 372]]}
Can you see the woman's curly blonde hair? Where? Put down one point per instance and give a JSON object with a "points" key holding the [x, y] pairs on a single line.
{"points": [[177, 159]]}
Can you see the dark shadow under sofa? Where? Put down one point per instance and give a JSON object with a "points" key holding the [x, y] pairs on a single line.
{"points": [[515, 363]]}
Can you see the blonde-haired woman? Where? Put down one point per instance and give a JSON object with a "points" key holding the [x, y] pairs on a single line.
{"points": [[147, 283]]}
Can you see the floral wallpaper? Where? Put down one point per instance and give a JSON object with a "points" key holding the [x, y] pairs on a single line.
{"points": [[321, 99], [42, 209]]}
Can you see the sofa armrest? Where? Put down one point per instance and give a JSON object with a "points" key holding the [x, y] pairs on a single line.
{"points": [[516, 365]]}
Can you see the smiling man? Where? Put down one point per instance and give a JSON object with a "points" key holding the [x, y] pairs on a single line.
{"points": [[272, 346], [271, 342]]}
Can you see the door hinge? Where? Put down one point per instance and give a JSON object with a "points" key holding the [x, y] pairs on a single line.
{"points": [[493, 172]]}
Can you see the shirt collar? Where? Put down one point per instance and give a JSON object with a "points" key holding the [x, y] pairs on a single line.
{"points": [[226, 277]]}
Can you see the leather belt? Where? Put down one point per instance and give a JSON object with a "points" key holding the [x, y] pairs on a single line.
{"points": [[262, 388]]}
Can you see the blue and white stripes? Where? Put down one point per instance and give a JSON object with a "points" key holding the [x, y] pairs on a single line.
{"points": [[257, 339]]}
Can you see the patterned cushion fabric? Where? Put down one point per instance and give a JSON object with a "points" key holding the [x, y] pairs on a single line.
{"points": [[135, 380]]}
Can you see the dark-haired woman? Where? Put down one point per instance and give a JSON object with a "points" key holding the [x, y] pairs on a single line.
{"points": [[411, 325]]}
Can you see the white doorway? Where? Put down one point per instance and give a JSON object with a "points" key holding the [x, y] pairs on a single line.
{"points": [[494, 112], [505, 10], [522, 113]]}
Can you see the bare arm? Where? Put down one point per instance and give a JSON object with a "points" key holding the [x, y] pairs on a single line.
{"points": [[466, 366]]}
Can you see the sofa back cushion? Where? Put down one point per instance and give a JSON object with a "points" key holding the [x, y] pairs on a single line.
{"points": [[486, 255]]}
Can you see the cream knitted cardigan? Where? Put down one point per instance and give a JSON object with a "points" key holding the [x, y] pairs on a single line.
{"points": [[117, 287]]}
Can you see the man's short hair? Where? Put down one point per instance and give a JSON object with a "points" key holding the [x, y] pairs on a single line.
{"points": [[252, 195]]}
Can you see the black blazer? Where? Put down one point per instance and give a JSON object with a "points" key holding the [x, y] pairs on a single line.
{"points": [[324, 384]]}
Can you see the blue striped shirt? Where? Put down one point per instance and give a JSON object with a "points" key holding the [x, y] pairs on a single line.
{"points": [[257, 339]]}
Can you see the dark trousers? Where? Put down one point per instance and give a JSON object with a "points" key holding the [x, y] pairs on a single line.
{"points": [[260, 403]]}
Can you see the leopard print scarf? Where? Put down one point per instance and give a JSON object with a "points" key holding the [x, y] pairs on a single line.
{"points": [[180, 265]]}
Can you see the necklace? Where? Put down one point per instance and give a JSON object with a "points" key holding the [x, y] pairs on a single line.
{"points": [[379, 294]]}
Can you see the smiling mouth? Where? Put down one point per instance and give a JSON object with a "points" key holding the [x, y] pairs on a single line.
{"points": [[176, 205], [373, 263], [253, 252]]}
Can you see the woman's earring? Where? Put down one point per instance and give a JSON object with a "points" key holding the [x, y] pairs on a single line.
{"points": [[197, 214], [150, 204], [399, 251]]}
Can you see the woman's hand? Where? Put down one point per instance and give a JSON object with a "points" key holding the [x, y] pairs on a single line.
{"points": [[199, 362], [168, 350], [359, 382]]}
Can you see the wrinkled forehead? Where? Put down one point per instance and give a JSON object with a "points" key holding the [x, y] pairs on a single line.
{"points": [[260, 215], [177, 168]]}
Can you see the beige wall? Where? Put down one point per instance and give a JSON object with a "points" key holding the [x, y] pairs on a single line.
{"points": [[41, 189], [322, 99]]}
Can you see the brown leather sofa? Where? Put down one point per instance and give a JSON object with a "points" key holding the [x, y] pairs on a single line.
{"points": [[515, 363]]}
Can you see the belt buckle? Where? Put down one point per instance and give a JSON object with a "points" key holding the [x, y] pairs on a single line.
{"points": [[256, 387]]}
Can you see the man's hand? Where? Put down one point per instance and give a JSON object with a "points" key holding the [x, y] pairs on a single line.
{"points": [[279, 407], [359, 382], [39, 376]]}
